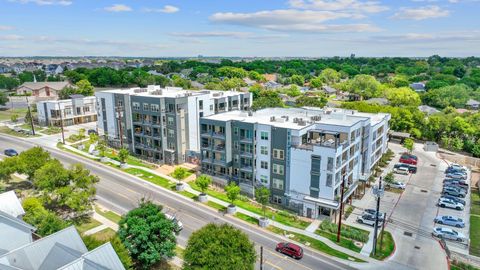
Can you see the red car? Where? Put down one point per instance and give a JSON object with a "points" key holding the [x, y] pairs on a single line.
{"points": [[408, 160], [290, 249]]}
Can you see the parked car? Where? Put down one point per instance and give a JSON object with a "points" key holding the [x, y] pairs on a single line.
{"points": [[178, 224], [410, 155], [369, 220], [92, 131], [455, 170], [411, 168], [461, 182], [290, 249], [456, 185], [455, 199], [458, 167], [456, 175], [408, 160], [10, 152], [372, 212], [454, 192], [401, 170], [447, 203], [447, 233], [396, 184], [450, 221]]}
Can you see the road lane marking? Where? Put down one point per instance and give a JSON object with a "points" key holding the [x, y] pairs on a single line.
{"points": [[285, 258], [273, 265]]}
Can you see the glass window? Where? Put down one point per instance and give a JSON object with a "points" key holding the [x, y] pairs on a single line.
{"points": [[277, 199], [277, 183], [278, 154], [264, 179], [330, 164], [136, 106], [154, 107], [278, 169], [264, 135], [264, 164], [235, 130], [329, 180], [171, 133], [146, 106], [169, 120], [263, 150]]}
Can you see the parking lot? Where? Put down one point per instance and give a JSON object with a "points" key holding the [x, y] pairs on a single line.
{"points": [[411, 213]]}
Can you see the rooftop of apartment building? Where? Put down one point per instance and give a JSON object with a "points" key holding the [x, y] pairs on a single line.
{"points": [[171, 92], [73, 97], [298, 118]]}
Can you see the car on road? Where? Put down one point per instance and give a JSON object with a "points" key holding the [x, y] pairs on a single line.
{"points": [[456, 175], [372, 212], [178, 224], [396, 184], [401, 170], [92, 131], [290, 249], [455, 199], [369, 220], [450, 221], [411, 168], [453, 191], [447, 203], [10, 152], [408, 160], [448, 234]]}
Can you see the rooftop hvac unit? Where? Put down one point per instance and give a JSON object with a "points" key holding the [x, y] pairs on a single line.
{"points": [[302, 123], [272, 119], [141, 90], [295, 120], [285, 117], [157, 92], [250, 113]]}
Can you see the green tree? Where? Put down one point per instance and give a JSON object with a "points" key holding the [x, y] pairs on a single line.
{"points": [[403, 96], [147, 234], [31, 160], [408, 144], [219, 247], [93, 138], [14, 118], [102, 147], [316, 82], [293, 91], [179, 173], [8, 166], [203, 181], [84, 87], [267, 99], [297, 79], [181, 82], [123, 155], [389, 178], [232, 72], [3, 98], [311, 101], [329, 76], [66, 92], [364, 85], [81, 133], [262, 195], [232, 192], [45, 221], [256, 76]]}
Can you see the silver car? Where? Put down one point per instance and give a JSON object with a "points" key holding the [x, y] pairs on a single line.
{"points": [[448, 234], [450, 221]]}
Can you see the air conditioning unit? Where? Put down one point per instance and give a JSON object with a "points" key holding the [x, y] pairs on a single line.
{"points": [[272, 119]]}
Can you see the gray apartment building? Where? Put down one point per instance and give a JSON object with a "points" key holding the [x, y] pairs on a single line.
{"points": [[162, 124], [301, 154]]}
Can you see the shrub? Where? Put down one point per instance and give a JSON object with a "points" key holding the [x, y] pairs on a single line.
{"points": [[347, 231]]}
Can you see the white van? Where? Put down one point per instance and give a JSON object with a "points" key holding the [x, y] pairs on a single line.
{"points": [[401, 170]]}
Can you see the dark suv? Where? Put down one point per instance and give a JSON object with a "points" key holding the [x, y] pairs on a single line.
{"points": [[290, 249], [410, 168]]}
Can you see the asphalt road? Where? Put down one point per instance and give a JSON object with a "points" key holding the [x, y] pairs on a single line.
{"points": [[121, 192]]}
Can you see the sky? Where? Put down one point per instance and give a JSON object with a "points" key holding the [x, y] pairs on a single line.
{"points": [[245, 28]]}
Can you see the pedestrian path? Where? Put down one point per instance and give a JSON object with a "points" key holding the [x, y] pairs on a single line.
{"points": [[96, 229], [313, 226]]}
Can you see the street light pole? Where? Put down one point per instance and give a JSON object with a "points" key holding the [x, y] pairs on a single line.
{"points": [[378, 193], [261, 257], [31, 117], [342, 187]]}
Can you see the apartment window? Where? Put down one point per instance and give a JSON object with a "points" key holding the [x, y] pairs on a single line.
{"points": [[136, 106], [171, 133], [330, 164], [155, 108], [68, 111], [120, 103], [277, 183], [86, 109], [277, 199], [171, 145], [278, 169], [278, 154], [264, 135], [264, 164], [235, 145], [170, 120], [211, 107], [200, 104], [235, 158], [264, 179], [263, 150], [329, 180], [146, 106], [235, 130]]}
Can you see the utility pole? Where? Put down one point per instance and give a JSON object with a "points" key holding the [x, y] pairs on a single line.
{"points": [[342, 187], [261, 257], [378, 192], [31, 117], [61, 122], [119, 111]]}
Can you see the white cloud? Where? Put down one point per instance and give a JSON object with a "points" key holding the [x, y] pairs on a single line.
{"points": [[421, 13], [165, 9], [45, 2], [118, 8], [5, 27], [11, 37], [463, 36], [294, 20], [227, 34], [340, 5]]}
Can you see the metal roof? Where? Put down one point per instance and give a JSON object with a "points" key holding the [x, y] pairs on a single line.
{"points": [[10, 204]]}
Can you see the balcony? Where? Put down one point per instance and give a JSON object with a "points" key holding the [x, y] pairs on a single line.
{"points": [[246, 140], [221, 162], [246, 154], [219, 135], [246, 167], [206, 145], [219, 147]]}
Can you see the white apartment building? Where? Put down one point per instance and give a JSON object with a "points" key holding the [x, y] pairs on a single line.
{"points": [[302, 155], [162, 124], [77, 110]]}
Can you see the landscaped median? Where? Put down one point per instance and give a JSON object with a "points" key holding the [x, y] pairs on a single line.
{"points": [[386, 248], [351, 237], [475, 223]]}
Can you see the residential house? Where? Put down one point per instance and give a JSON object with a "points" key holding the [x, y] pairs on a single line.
{"points": [[42, 90], [74, 111], [473, 104], [427, 109], [5, 69], [329, 90], [418, 86], [379, 101]]}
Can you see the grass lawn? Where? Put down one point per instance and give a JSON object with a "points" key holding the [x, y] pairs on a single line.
{"points": [[188, 194], [179, 251], [247, 218], [112, 216], [51, 130], [462, 266], [327, 229], [315, 244], [155, 179], [130, 159], [344, 242], [12, 132], [87, 225], [388, 247], [475, 203], [475, 235], [7, 114], [281, 217], [216, 206], [105, 234]]}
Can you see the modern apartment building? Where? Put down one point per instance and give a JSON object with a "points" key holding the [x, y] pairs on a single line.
{"points": [[301, 154], [74, 111], [162, 124]]}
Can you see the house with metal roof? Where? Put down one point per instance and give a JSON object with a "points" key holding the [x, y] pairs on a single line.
{"points": [[10, 204], [472, 104]]}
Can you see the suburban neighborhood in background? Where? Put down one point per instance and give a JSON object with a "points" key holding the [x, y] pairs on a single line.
{"points": [[120, 153]]}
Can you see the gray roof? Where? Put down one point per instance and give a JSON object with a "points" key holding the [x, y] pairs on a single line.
{"points": [[10, 204], [473, 102], [427, 109], [103, 257], [381, 101], [38, 85], [329, 89]]}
